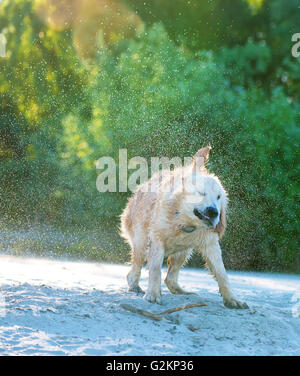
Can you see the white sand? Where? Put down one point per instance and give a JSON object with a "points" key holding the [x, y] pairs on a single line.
{"points": [[50, 307]]}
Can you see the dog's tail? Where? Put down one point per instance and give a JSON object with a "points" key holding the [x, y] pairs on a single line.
{"points": [[126, 224]]}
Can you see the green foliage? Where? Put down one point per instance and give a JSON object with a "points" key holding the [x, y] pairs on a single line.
{"points": [[39, 81], [210, 72], [200, 24], [259, 33], [246, 65], [264, 183]]}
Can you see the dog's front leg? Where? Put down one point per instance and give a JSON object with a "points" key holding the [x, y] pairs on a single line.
{"points": [[155, 260], [213, 256]]}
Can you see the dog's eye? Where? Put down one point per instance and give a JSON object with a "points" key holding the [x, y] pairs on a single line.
{"points": [[219, 196]]}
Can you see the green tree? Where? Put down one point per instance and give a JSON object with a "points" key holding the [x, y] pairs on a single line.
{"points": [[40, 80]]}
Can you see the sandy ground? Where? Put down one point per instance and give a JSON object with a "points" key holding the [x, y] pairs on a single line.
{"points": [[50, 307]]}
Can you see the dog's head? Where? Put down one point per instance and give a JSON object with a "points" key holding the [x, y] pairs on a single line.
{"points": [[203, 200]]}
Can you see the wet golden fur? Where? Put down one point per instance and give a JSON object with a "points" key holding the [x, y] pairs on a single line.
{"points": [[156, 221]]}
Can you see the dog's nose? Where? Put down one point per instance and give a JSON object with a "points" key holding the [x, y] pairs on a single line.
{"points": [[211, 212]]}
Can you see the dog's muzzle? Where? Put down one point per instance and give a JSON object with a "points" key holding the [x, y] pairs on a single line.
{"points": [[209, 215]]}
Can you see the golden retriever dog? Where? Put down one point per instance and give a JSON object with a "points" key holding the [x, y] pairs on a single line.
{"points": [[171, 215]]}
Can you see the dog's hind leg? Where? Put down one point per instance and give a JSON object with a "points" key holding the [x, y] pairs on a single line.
{"points": [[138, 255], [134, 275], [175, 262]]}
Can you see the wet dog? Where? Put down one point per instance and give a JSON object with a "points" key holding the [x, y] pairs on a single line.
{"points": [[171, 215]]}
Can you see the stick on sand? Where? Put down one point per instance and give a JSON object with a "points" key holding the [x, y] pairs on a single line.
{"points": [[161, 315]]}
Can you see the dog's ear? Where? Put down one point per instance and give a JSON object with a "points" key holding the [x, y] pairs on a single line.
{"points": [[201, 157], [220, 228]]}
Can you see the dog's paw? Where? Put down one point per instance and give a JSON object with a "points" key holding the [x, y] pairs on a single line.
{"points": [[152, 297], [235, 304], [176, 289], [179, 291], [136, 289]]}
